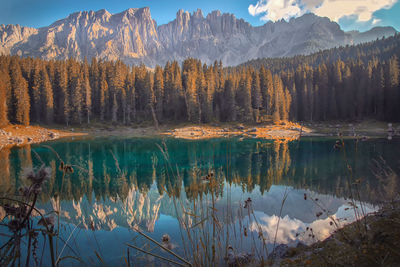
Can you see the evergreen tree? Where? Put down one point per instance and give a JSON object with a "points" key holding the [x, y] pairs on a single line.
{"points": [[277, 99], [46, 96], [87, 91], [229, 109], [20, 96], [103, 99], [159, 91], [130, 97], [392, 89], [4, 86], [62, 105], [243, 96], [210, 91], [35, 93], [75, 79], [256, 95]]}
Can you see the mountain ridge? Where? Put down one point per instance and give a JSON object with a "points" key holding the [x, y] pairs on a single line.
{"points": [[134, 37]]}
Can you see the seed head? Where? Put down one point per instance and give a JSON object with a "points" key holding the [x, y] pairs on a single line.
{"points": [[47, 221], [165, 238]]}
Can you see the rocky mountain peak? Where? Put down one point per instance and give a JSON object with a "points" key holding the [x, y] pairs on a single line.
{"points": [[103, 15], [134, 37], [198, 14], [214, 14]]}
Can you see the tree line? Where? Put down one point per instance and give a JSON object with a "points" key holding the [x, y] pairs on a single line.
{"points": [[72, 92]]}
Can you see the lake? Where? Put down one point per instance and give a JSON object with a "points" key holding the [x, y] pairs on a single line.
{"points": [[160, 186]]}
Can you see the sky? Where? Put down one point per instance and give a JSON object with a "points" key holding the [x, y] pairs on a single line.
{"points": [[350, 14]]}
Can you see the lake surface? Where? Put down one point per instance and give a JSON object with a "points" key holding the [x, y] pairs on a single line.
{"points": [[158, 185]]}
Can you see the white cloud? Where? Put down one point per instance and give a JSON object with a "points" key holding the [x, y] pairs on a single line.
{"points": [[362, 10], [275, 9]]}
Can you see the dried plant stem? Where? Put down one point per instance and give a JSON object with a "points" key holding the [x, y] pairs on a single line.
{"points": [[155, 255], [30, 209], [285, 195], [161, 246], [29, 249], [66, 243], [53, 262]]}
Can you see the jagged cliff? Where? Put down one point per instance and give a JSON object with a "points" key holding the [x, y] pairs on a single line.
{"points": [[134, 37]]}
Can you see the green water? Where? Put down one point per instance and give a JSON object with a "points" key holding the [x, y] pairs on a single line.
{"points": [[120, 183]]}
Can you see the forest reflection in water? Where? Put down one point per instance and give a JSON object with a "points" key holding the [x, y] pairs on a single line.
{"points": [[121, 183], [108, 167]]}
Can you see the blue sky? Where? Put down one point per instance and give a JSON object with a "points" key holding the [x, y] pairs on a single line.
{"points": [[350, 14]]}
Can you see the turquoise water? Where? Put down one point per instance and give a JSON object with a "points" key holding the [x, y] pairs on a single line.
{"points": [[156, 185]]}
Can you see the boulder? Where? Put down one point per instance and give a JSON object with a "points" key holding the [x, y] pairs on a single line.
{"points": [[53, 135], [240, 127]]}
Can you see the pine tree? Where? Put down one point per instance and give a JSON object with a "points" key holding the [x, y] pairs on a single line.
{"points": [[392, 89], [229, 108], [159, 91], [87, 91], [345, 95], [130, 97], [46, 96], [143, 93], [35, 93], [256, 98], [94, 79], [210, 91], [179, 94], [286, 108], [192, 88], [243, 96], [103, 96], [201, 95], [277, 99], [75, 79], [267, 88], [4, 86], [114, 109], [20, 96], [323, 96], [62, 105]]}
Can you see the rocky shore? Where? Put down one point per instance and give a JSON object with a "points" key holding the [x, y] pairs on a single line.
{"points": [[12, 135], [285, 131]]}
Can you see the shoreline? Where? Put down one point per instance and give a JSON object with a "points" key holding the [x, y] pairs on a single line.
{"points": [[285, 131], [20, 135], [17, 135]]}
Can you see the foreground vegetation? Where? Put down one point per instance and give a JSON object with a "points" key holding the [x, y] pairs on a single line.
{"points": [[369, 241]]}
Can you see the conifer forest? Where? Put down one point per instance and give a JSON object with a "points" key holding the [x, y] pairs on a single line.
{"points": [[329, 85]]}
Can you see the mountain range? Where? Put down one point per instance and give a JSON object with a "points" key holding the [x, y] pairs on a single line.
{"points": [[134, 37]]}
